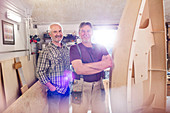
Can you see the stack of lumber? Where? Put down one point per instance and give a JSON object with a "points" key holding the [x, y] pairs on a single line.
{"points": [[15, 74]]}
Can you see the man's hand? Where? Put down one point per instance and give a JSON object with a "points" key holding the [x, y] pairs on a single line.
{"points": [[105, 57], [107, 60], [50, 86]]}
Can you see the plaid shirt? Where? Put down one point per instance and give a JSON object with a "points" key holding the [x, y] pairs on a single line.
{"points": [[53, 64]]}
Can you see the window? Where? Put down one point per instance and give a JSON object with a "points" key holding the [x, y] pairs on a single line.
{"points": [[105, 36]]}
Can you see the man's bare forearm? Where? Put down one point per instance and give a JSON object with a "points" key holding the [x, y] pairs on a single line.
{"points": [[89, 68], [97, 65], [101, 65]]}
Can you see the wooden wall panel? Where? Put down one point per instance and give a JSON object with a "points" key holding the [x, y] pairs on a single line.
{"points": [[10, 79], [28, 67], [2, 95], [32, 101]]}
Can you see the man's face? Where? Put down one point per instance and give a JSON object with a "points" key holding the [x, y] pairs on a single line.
{"points": [[56, 33], [85, 33]]}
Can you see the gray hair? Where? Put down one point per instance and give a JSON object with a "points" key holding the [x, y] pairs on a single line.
{"points": [[55, 23]]}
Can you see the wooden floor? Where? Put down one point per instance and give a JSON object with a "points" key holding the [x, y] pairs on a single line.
{"points": [[167, 106]]}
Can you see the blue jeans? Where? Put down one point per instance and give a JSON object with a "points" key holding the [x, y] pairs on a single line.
{"points": [[57, 102]]}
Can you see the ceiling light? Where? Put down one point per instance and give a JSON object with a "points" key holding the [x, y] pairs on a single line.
{"points": [[13, 16]]}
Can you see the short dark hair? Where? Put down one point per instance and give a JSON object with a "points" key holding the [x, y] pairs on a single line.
{"points": [[85, 23]]}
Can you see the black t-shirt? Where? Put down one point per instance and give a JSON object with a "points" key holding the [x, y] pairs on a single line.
{"points": [[88, 55]]}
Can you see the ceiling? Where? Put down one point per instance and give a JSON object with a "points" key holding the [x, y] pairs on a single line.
{"points": [[75, 11]]}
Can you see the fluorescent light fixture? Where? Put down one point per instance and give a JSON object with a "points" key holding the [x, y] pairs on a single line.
{"points": [[13, 16]]}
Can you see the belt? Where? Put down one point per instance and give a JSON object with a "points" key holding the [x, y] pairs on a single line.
{"points": [[87, 79], [94, 83]]}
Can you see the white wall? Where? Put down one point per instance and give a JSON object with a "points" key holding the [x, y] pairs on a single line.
{"points": [[67, 28], [20, 35]]}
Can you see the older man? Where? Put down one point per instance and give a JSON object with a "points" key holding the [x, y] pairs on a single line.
{"points": [[52, 68]]}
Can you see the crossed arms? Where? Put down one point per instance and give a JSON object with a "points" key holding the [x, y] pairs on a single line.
{"points": [[92, 68]]}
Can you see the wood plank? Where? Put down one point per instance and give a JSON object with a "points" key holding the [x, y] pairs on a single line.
{"points": [[158, 87], [11, 84], [168, 82], [106, 87], [18, 67], [168, 65], [147, 83], [137, 53], [28, 67], [124, 53], [2, 94], [168, 90], [136, 92], [158, 54], [144, 42], [121, 51], [34, 100]]}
